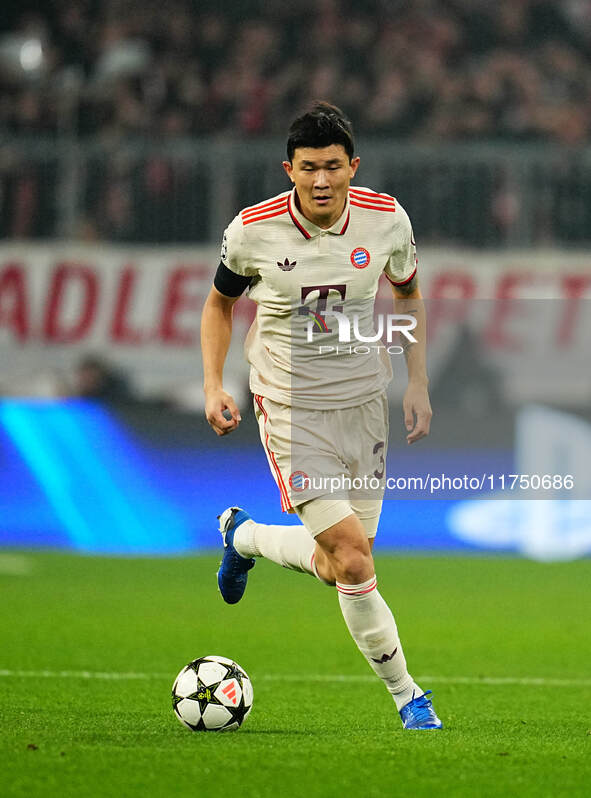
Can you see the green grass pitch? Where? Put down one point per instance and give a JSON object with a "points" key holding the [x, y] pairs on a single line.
{"points": [[504, 643]]}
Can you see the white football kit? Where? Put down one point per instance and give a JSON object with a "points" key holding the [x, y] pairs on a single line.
{"points": [[320, 399], [309, 346]]}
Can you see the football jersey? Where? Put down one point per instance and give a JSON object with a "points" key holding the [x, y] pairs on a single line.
{"points": [[310, 344]]}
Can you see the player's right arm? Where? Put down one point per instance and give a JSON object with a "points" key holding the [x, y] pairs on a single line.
{"points": [[233, 276], [216, 332]]}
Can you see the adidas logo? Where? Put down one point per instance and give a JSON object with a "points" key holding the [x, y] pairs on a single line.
{"points": [[230, 692], [385, 658], [286, 266]]}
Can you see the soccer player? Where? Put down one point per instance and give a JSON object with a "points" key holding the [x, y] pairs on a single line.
{"points": [[311, 257]]}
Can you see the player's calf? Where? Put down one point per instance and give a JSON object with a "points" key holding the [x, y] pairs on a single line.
{"points": [[322, 568]]}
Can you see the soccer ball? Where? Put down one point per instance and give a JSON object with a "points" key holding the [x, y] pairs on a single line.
{"points": [[212, 694]]}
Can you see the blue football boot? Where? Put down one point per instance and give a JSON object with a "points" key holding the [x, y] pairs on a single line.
{"points": [[419, 714], [233, 572]]}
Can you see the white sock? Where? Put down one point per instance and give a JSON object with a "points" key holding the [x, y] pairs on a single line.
{"points": [[290, 546], [373, 628]]}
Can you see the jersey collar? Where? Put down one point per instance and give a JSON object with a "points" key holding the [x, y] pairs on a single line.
{"points": [[307, 228]]}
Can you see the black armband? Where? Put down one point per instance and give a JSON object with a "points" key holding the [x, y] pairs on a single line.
{"points": [[229, 283]]}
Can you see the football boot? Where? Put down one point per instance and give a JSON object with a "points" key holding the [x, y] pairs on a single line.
{"points": [[233, 571], [419, 714]]}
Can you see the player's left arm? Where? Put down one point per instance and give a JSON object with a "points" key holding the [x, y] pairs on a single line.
{"points": [[408, 300]]}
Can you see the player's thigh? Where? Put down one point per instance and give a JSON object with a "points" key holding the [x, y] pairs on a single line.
{"points": [[334, 525], [366, 447], [339, 533], [323, 513], [368, 511]]}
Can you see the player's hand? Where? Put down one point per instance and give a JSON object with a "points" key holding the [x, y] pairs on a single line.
{"points": [[216, 403], [417, 411]]}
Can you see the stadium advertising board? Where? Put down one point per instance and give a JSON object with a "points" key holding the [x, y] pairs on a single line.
{"points": [[140, 310], [508, 334]]}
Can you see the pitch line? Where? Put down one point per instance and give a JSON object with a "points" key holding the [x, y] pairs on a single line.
{"points": [[498, 681]]}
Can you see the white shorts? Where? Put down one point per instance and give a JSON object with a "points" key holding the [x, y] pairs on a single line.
{"points": [[328, 454], [317, 515]]}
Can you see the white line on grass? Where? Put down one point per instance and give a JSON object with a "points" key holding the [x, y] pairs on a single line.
{"points": [[526, 681]]}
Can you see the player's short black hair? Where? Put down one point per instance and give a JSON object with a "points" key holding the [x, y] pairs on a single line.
{"points": [[320, 126]]}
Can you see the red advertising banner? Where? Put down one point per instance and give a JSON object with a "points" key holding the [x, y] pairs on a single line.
{"points": [[140, 310]]}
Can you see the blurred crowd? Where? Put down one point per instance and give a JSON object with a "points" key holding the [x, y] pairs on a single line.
{"points": [[131, 78], [420, 69]]}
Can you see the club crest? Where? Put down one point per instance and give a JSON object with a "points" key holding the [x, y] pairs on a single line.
{"points": [[360, 258]]}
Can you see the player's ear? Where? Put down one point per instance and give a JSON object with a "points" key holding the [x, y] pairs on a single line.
{"points": [[354, 165], [288, 166]]}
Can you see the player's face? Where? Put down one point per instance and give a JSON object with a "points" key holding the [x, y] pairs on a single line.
{"points": [[321, 176]]}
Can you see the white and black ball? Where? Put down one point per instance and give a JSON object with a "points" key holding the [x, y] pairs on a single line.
{"points": [[212, 694]]}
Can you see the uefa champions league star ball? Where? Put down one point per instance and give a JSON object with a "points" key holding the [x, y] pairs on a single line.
{"points": [[212, 694]]}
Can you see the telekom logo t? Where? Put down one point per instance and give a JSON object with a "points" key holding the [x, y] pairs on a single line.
{"points": [[323, 292]]}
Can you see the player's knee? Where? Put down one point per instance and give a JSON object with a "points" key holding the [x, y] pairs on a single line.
{"points": [[353, 566], [351, 561], [347, 550]]}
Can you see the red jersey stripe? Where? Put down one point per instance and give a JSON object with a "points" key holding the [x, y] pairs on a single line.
{"points": [[346, 223], [269, 207], [259, 400], [404, 282], [371, 200], [263, 205], [302, 229], [285, 501], [387, 208], [264, 216], [372, 195]]}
